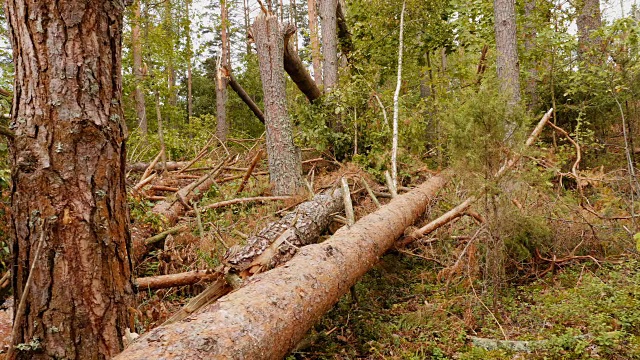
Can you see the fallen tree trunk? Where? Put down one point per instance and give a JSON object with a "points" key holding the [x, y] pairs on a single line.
{"points": [[171, 166], [173, 280], [274, 244], [176, 205], [268, 316], [243, 94], [298, 72]]}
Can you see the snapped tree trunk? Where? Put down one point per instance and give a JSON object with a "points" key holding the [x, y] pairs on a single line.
{"points": [[222, 127], [507, 62], [328, 16], [268, 316], [138, 71], [298, 72], [315, 43], [68, 194], [285, 165]]}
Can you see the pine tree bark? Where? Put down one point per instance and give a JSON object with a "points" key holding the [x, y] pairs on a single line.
{"points": [[315, 44], [508, 65], [328, 16], [285, 164], [589, 20], [68, 193], [138, 71], [222, 127]]}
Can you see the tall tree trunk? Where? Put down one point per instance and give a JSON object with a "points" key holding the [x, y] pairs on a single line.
{"points": [[68, 194], [247, 25], [222, 128], [396, 104], [163, 149], [507, 61], [328, 11], [285, 165], [589, 20], [171, 71], [138, 72], [529, 45], [189, 66], [315, 44], [293, 15]]}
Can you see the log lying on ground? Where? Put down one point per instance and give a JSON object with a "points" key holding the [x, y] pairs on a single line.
{"points": [[173, 280], [274, 244], [235, 85], [346, 43], [280, 240], [268, 316], [298, 72], [171, 166], [175, 205]]}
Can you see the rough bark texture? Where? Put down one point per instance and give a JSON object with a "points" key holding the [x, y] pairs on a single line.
{"points": [[138, 71], [328, 16], [589, 20], [279, 241], [68, 193], [298, 72], [508, 65], [243, 94], [315, 44], [285, 167], [268, 316], [222, 125]]}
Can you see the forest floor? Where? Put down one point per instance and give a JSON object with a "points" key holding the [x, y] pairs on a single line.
{"points": [[433, 299], [583, 311]]}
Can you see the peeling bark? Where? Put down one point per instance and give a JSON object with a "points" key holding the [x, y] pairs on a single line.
{"points": [[68, 193], [268, 316], [280, 240]]}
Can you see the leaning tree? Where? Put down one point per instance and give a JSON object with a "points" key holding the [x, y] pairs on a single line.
{"points": [[71, 244]]}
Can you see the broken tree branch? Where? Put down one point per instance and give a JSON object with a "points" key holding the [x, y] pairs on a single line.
{"points": [[174, 280], [298, 72], [235, 85]]}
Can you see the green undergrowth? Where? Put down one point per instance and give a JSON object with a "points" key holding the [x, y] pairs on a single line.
{"points": [[403, 312]]}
